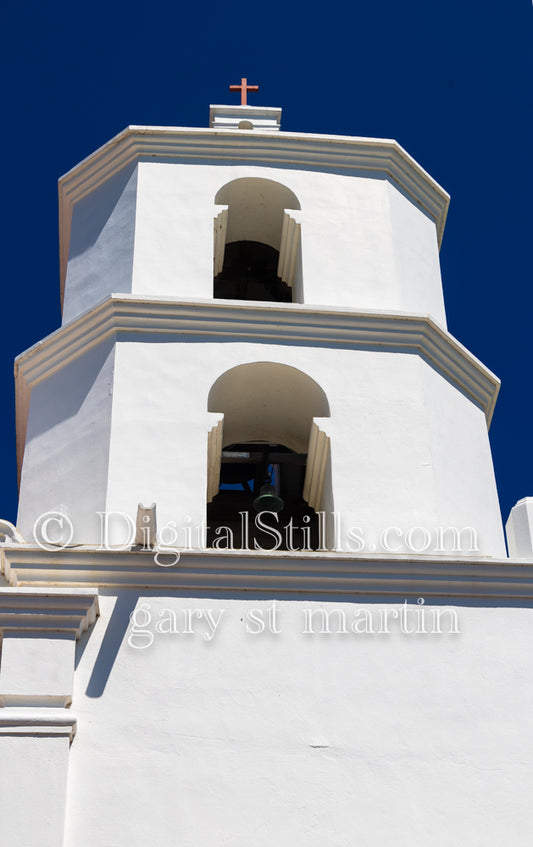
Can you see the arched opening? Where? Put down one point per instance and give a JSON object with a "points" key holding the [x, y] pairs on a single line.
{"points": [[257, 241], [269, 431], [250, 272]]}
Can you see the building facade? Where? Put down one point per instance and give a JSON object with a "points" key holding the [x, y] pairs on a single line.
{"points": [[258, 591]]}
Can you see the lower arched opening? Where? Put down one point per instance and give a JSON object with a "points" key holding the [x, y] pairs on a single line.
{"points": [[244, 515]]}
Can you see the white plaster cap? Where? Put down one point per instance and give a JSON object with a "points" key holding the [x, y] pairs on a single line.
{"points": [[245, 117], [519, 529], [9, 534]]}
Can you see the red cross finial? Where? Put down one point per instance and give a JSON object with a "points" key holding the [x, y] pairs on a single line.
{"points": [[244, 88]]}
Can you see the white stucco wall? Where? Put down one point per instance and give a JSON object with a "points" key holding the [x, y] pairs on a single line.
{"points": [[174, 230], [416, 257], [231, 734], [519, 528], [465, 486], [363, 244], [299, 739], [33, 782], [36, 670], [129, 425], [407, 449], [66, 457], [101, 244]]}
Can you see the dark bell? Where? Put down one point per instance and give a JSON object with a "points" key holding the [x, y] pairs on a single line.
{"points": [[268, 500]]}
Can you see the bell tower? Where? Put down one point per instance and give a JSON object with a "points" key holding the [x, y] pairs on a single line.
{"points": [[259, 592], [236, 288]]}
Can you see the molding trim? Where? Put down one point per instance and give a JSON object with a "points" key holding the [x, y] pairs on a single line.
{"points": [[214, 451], [119, 316], [37, 722], [9, 534], [260, 117], [220, 228], [48, 610], [317, 457], [304, 574], [372, 157], [289, 249]]}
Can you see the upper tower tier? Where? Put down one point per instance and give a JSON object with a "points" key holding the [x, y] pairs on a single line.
{"points": [[330, 220]]}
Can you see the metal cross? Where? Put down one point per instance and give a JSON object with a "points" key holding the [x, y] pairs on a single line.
{"points": [[244, 88]]}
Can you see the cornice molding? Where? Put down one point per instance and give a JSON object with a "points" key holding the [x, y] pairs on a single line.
{"points": [[281, 323], [293, 574], [48, 610], [305, 151], [37, 722]]}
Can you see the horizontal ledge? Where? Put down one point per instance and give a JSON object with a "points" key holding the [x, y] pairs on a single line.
{"points": [[61, 701], [303, 573], [37, 722], [121, 314], [48, 610], [300, 150]]}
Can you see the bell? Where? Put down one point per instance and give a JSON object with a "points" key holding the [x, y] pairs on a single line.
{"points": [[268, 500]]}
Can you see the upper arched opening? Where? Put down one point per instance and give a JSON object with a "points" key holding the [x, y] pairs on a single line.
{"points": [[255, 209], [270, 402], [256, 248]]}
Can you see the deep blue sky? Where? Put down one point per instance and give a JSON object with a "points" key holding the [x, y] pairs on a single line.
{"points": [[452, 82]]}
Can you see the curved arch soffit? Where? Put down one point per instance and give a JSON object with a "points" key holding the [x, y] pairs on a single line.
{"points": [[255, 209]]}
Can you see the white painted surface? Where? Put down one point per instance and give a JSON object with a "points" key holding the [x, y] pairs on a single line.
{"points": [[36, 670], [416, 258], [407, 449], [101, 243], [33, 782], [348, 239], [262, 118], [66, 457], [519, 529], [369, 158], [363, 244], [34, 747], [9, 534], [256, 209], [223, 736], [302, 739]]}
